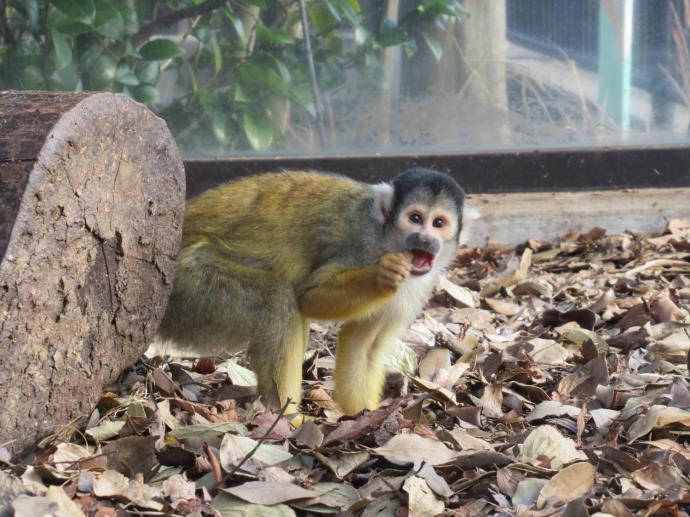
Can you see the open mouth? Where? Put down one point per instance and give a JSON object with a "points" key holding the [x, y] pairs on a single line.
{"points": [[421, 262]]}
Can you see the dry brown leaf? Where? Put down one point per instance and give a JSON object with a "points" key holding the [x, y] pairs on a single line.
{"points": [[365, 423], [462, 296], [433, 362], [502, 306], [659, 477], [548, 352], [574, 481], [404, 449], [233, 449], [507, 480], [583, 382], [435, 482], [179, 487], [492, 400], [547, 442], [132, 454], [309, 435], [422, 500], [262, 492], [114, 485], [664, 308], [67, 455], [514, 273], [319, 397], [344, 463], [466, 442], [67, 507], [527, 492], [534, 287], [657, 417], [551, 408]]}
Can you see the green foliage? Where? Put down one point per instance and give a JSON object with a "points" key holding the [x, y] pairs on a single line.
{"points": [[235, 74]]}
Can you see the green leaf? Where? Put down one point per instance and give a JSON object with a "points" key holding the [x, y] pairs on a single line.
{"points": [[124, 75], [146, 93], [108, 20], [31, 7], [63, 52], [303, 95], [322, 19], [277, 84], [102, 73], [236, 23], [89, 57], [451, 8], [271, 35], [130, 51], [31, 78], [129, 16], [346, 7], [334, 43], [203, 34], [251, 75], [410, 48], [159, 49], [72, 27], [217, 54], [78, 10], [355, 6], [259, 129], [147, 72], [67, 78], [433, 45], [269, 61], [391, 35], [257, 3], [222, 129], [332, 11], [240, 95]]}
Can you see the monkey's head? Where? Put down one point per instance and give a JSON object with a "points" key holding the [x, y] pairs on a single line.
{"points": [[421, 211]]}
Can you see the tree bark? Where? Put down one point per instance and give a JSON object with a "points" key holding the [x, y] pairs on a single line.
{"points": [[91, 206]]}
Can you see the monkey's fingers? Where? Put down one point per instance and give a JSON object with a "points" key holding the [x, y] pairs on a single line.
{"points": [[398, 263], [390, 280]]}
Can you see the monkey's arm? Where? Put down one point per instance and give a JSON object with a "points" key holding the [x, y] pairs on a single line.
{"points": [[342, 293]]}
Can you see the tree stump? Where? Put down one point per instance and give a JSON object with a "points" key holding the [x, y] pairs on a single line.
{"points": [[91, 206]]}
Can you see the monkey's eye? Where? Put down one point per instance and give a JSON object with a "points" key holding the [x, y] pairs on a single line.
{"points": [[439, 222], [415, 218]]}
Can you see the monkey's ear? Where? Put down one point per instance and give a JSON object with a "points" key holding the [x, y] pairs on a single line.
{"points": [[383, 201], [470, 214]]}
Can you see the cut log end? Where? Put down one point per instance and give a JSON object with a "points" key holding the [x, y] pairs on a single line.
{"points": [[90, 218]]}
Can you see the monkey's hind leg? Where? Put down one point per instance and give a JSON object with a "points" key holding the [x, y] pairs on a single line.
{"points": [[220, 305], [360, 365], [277, 352]]}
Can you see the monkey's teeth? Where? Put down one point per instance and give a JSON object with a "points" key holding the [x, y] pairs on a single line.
{"points": [[421, 261]]}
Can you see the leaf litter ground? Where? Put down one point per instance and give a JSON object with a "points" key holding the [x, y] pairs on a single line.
{"points": [[547, 379]]}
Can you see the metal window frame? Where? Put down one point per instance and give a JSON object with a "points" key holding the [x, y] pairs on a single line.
{"points": [[543, 170]]}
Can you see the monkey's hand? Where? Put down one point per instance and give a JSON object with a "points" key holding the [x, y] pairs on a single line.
{"points": [[343, 293], [392, 269]]}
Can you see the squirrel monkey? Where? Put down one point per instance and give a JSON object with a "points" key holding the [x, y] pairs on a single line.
{"points": [[264, 255]]}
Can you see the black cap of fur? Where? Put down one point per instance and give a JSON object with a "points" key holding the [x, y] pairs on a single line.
{"points": [[436, 183]]}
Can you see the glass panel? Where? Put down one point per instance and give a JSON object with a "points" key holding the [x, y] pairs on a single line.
{"points": [[379, 76]]}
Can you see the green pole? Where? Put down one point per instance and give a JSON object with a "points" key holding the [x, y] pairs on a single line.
{"points": [[615, 59]]}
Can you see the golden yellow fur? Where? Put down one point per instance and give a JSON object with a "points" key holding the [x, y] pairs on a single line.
{"points": [[264, 255]]}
